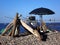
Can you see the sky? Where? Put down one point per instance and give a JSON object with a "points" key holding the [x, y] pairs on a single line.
{"points": [[9, 8]]}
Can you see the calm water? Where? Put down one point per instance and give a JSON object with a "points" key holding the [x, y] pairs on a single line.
{"points": [[52, 26]]}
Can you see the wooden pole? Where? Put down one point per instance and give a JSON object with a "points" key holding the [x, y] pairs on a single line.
{"points": [[17, 31], [34, 32], [7, 28], [15, 24], [18, 27], [10, 33]]}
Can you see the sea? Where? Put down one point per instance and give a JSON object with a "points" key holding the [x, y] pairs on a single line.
{"points": [[51, 26]]}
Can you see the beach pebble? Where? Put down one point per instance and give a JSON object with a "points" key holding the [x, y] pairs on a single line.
{"points": [[52, 39]]}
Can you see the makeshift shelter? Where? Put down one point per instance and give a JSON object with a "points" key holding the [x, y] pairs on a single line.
{"points": [[15, 25]]}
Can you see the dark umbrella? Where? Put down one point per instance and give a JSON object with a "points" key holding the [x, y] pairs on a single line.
{"points": [[42, 11]]}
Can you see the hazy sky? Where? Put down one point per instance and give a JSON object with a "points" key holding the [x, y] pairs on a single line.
{"points": [[8, 8]]}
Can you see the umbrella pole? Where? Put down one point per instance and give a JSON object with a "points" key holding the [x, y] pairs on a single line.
{"points": [[41, 19]]}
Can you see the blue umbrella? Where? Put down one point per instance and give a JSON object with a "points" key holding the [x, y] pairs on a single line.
{"points": [[42, 11]]}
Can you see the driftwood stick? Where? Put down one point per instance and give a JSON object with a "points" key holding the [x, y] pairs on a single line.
{"points": [[18, 27], [44, 27], [15, 24], [16, 32], [8, 27], [34, 32], [10, 32]]}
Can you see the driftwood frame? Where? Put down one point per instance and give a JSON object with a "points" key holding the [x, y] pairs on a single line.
{"points": [[14, 24]]}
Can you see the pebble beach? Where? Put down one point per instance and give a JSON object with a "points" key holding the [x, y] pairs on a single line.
{"points": [[53, 38]]}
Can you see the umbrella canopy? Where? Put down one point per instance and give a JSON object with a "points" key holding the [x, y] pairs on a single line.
{"points": [[42, 11]]}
